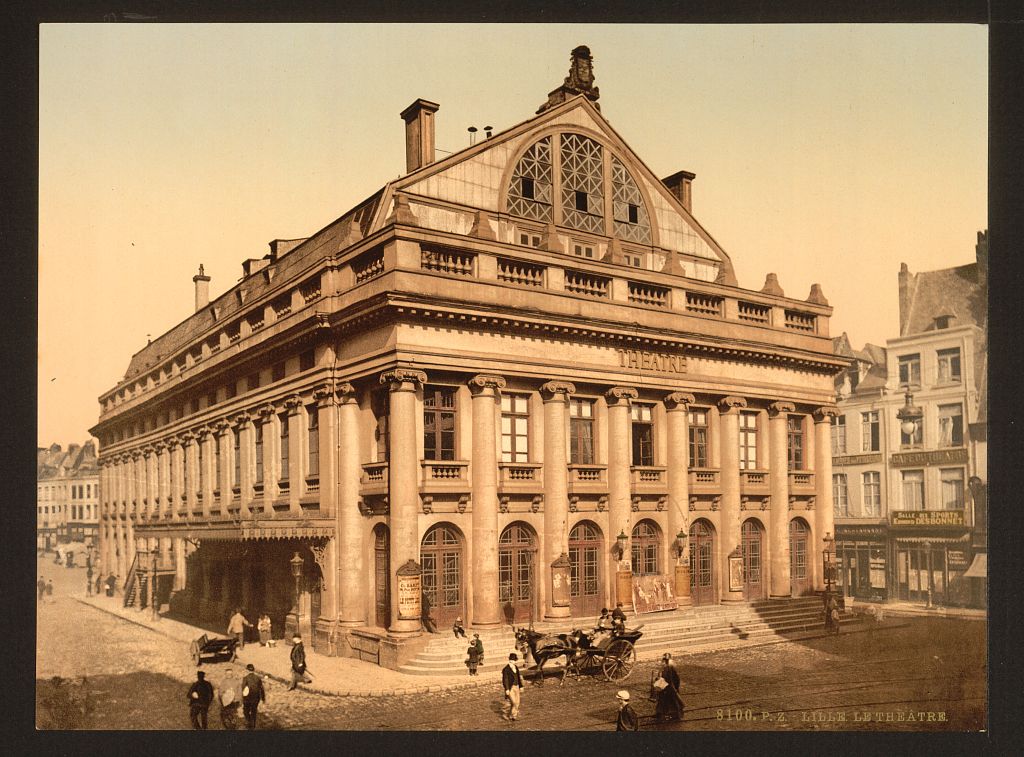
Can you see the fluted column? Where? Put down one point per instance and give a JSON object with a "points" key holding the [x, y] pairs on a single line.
{"points": [[729, 410], [163, 480], [105, 537], [556, 488], [778, 530], [206, 439], [246, 461], [327, 444], [677, 406], [129, 480], [177, 448], [191, 480], [271, 455], [295, 432], [620, 511], [225, 442], [180, 577], [351, 583], [152, 484], [823, 514], [403, 489], [486, 607]]}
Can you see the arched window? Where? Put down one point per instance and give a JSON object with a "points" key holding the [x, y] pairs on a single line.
{"points": [[628, 210], [582, 192], [646, 541], [529, 194]]}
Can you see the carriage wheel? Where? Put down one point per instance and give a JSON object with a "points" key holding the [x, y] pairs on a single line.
{"points": [[588, 664], [194, 653], [618, 660]]}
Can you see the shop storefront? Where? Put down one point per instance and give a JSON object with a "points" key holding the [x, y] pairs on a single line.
{"points": [[931, 551], [862, 554]]}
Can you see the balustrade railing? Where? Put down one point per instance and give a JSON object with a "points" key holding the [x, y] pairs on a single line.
{"points": [[587, 284], [520, 272]]}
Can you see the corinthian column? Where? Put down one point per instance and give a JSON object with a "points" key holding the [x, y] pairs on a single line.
{"points": [[677, 405], [729, 410], [823, 513], [351, 586], [403, 493], [556, 491], [778, 536], [620, 511], [486, 607], [152, 506]]}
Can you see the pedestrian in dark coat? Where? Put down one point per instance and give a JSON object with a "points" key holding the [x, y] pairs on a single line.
{"points": [[473, 659], [49, 589], [627, 719], [252, 694], [298, 659], [41, 585], [428, 622], [99, 583], [200, 695], [512, 683], [670, 703], [479, 647], [618, 618], [88, 583], [111, 583]]}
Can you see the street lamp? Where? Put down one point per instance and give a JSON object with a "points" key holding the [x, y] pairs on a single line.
{"points": [[620, 543], [296, 564], [928, 548], [827, 561], [909, 415], [154, 567], [680, 542]]}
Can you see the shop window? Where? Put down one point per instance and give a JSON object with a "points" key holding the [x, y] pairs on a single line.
{"points": [[515, 423]]}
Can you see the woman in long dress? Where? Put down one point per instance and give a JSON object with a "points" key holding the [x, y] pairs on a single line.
{"points": [[670, 703], [263, 626]]}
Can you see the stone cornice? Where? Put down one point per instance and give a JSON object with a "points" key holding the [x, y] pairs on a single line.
{"points": [[479, 383], [552, 389], [727, 404], [621, 395], [825, 414], [679, 401], [780, 408], [398, 376]]}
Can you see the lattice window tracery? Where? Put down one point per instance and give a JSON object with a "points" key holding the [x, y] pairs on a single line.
{"points": [[628, 210], [582, 195], [530, 192]]}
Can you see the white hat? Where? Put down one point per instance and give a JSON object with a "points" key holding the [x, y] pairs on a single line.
{"points": [[623, 695]]}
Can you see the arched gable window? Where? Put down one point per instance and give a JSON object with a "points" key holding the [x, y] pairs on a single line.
{"points": [[631, 220], [529, 194], [582, 193]]}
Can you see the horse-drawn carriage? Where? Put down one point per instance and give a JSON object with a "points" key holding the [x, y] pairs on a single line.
{"points": [[611, 652]]}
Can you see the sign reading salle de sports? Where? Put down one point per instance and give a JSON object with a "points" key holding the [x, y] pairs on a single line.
{"points": [[927, 517]]}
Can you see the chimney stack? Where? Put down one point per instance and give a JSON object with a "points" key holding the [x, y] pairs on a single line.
{"points": [[679, 184], [981, 255], [419, 134], [202, 283]]}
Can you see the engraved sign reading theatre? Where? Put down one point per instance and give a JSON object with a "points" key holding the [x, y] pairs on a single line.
{"points": [[652, 361]]}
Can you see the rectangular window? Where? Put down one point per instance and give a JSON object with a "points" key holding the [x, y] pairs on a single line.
{"points": [[283, 422], [949, 366], [869, 434], [307, 360], [211, 399], [253, 382], [839, 435], [526, 188], [236, 476], [698, 429], [230, 391], [913, 490], [633, 260], [259, 452], [529, 240], [581, 431], [643, 434], [795, 441], [952, 488], [216, 463], [278, 371], [199, 465], [871, 481], [438, 423], [515, 428], [581, 200], [313, 467], [915, 439], [840, 500], [583, 250], [951, 425], [195, 405], [910, 370], [748, 441], [379, 405]]}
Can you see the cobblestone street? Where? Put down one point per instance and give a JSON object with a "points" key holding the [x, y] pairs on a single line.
{"points": [[901, 674]]}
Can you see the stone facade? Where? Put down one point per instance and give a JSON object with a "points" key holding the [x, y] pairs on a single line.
{"points": [[67, 496], [525, 356]]}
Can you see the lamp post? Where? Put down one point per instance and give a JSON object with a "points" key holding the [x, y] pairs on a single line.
{"points": [[154, 566], [826, 558], [296, 565], [142, 555], [620, 543], [928, 547], [680, 543], [909, 415]]}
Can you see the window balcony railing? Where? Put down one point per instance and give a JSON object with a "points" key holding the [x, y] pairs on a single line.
{"points": [[374, 479], [520, 476], [801, 480], [588, 478], [283, 486], [312, 484], [752, 479], [447, 475], [520, 272], [704, 478], [648, 476]]}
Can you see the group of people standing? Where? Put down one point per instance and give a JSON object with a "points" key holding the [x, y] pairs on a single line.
{"points": [[248, 692], [238, 623]]}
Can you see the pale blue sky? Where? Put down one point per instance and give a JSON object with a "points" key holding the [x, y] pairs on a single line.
{"points": [[827, 154]]}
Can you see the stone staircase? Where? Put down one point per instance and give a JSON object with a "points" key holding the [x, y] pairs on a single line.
{"points": [[694, 629]]}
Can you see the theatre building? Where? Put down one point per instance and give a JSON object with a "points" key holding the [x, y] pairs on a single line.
{"points": [[516, 383]]}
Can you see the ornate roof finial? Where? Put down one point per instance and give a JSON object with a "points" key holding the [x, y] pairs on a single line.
{"points": [[580, 81]]}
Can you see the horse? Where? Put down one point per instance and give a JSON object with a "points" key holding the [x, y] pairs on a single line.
{"points": [[544, 647]]}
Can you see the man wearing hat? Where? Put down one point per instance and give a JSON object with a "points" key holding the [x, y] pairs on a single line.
{"points": [[200, 695], [252, 694], [627, 720], [479, 647], [298, 658], [512, 683]]}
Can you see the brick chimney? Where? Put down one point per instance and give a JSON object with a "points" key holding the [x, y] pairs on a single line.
{"points": [[419, 134], [906, 282], [981, 255], [202, 282], [679, 184]]}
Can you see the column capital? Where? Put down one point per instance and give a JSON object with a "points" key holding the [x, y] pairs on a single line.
{"points": [[482, 382], [399, 376], [552, 390], [135, 454], [187, 437], [825, 414], [241, 419], [222, 426], [292, 404], [266, 411], [679, 401], [160, 445], [727, 404], [178, 440], [346, 393], [323, 395], [148, 450], [621, 395], [204, 431], [780, 408]]}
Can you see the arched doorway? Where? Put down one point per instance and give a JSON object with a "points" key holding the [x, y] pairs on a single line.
{"points": [[441, 558], [585, 549], [702, 563], [381, 575], [752, 542], [517, 549], [645, 543], [801, 575]]}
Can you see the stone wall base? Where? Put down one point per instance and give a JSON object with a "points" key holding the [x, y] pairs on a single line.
{"points": [[367, 645]]}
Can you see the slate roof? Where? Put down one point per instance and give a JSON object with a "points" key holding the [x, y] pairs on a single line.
{"points": [[949, 291], [76, 461]]}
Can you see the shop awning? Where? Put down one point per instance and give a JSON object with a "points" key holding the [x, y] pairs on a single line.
{"points": [[979, 566]]}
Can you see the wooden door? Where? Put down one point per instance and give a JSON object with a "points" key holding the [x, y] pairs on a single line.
{"points": [[801, 572], [585, 554], [516, 552], [382, 575], [702, 564], [441, 558], [752, 542]]}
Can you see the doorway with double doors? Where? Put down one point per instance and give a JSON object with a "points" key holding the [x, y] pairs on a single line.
{"points": [[517, 552]]}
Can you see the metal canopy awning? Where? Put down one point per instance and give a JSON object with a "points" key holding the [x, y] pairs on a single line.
{"points": [[979, 566]]}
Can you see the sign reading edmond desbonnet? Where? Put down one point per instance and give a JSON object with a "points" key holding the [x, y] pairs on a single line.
{"points": [[927, 517], [658, 362]]}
